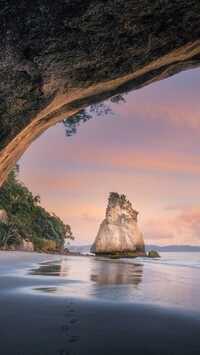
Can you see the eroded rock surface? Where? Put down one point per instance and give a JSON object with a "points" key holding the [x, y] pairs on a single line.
{"points": [[57, 57], [119, 233], [153, 254], [3, 216]]}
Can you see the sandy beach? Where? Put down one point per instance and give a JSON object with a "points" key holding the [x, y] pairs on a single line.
{"points": [[50, 312]]}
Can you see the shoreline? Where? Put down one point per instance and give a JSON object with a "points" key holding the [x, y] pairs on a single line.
{"points": [[34, 323]]}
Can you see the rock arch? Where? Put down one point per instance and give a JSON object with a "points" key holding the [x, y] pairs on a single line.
{"points": [[56, 59]]}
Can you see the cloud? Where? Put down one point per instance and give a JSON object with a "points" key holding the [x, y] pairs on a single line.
{"points": [[173, 207], [177, 107], [182, 228], [90, 217], [158, 230], [188, 221], [53, 184], [119, 156], [156, 161], [82, 212]]}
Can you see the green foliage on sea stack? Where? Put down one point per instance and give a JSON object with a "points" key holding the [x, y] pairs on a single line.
{"points": [[26, 220], [116, 196]]}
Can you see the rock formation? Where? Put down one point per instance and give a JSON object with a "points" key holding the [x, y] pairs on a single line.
{"points": [[119, 234], [3, 216], [59, 57], [153, 254]]}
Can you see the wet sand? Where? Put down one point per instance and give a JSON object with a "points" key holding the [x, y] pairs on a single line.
{"points": [[41, 323]]}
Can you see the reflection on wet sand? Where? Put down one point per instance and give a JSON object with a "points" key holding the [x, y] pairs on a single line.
{"points": [[118, 273], [91, 277], [99, 271], [59, 268], [117, 280], [46, 289]]}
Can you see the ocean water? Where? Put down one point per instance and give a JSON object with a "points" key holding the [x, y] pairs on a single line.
{"points": [[188, 259], [170, 281]]}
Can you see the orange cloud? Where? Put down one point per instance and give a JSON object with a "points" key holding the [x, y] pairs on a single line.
{"points": [[52, 184], [90, 217], [183, 228], [159, 162], [84, 212], [158, 230], [119, 157], [188, 220]]}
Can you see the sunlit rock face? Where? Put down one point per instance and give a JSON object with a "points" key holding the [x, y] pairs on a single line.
{"points": [[119, 232], [58, 57]]}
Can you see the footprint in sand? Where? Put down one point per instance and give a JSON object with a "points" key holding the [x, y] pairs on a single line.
{"points": [[65, 327], [69, 305], [70, 311], [74, 338]]}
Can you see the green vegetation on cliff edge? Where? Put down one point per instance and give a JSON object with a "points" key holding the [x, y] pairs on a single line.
{"points": [[27, 220]]}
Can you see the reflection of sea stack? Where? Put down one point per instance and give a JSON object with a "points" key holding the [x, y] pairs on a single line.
{"points": [[118, 233], [114, 273]]}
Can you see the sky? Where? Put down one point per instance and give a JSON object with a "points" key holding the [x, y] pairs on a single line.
{"points": [[149, 150]]}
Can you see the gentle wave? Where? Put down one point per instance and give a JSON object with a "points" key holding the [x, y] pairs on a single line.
{"points": [[195, 264]]}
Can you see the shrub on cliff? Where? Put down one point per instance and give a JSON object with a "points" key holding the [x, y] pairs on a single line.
{"points": [[28, 220]]}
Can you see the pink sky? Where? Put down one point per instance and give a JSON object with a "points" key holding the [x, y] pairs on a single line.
{"points": [[149, 150]]}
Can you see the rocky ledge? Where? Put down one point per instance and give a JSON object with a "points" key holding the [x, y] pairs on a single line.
{"points": [[153, 254], [119, 235]]}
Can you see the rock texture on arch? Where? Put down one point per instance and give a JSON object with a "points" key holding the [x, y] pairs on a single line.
{"points": [[57, 57]]}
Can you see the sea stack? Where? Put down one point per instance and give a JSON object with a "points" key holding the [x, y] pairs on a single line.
{"points": [[119, 235]]}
